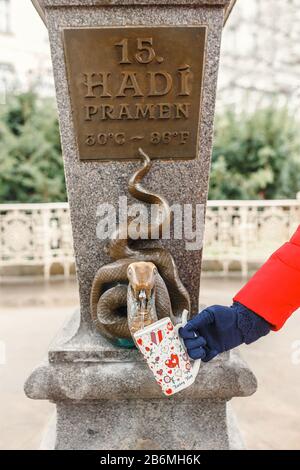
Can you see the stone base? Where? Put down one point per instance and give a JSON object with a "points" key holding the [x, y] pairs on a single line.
{"points": [[107, 398], [139, 424]]}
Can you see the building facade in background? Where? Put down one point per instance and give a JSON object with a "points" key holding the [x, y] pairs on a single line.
{"points": [[24, 49], [260, 51]]}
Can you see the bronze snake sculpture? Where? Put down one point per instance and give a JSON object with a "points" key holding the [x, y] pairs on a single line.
{"points": [[147, 275]]}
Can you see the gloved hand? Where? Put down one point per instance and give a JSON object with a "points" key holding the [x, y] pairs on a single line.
{"points": [[217, 329]]}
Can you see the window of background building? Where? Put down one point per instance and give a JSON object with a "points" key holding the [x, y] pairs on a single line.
{"points": [[5, 16], [7, 78]]}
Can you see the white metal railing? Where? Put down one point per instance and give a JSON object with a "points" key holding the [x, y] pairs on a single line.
{"points": [[36, 235], [240, 232], [244, 232]]}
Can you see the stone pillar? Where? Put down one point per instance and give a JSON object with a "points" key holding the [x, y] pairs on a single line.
{"points": [[106, 396]]}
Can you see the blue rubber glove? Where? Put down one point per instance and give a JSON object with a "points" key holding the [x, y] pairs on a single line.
{"points": [[217, 329]]}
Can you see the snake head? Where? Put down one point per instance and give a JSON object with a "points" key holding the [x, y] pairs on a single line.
{"points": [[141, 277]]}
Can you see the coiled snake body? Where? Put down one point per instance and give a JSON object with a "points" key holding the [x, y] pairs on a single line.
{"points": [[110, 297]]}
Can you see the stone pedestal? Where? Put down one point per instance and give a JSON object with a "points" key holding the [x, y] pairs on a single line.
{"points": [[105, 396]]}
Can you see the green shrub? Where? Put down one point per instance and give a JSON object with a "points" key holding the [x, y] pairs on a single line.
{"points": [[256, 155], [31, 167]]}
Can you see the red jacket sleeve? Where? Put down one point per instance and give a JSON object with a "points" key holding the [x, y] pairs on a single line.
{"points": [[274, 291]]}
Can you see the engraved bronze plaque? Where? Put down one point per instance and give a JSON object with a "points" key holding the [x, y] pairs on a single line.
{"points": [[136, 87]]}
